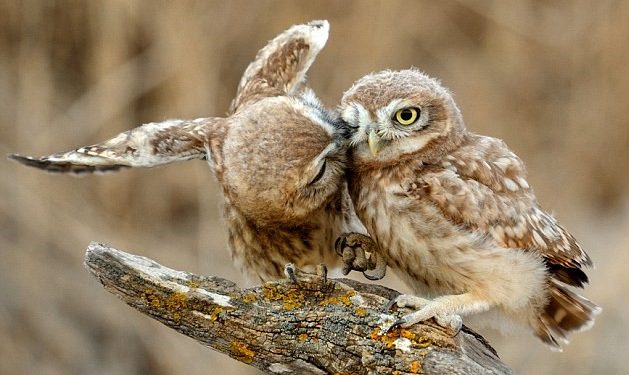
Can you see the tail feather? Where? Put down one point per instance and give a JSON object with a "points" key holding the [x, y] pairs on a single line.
{"points": [[565, 313]]}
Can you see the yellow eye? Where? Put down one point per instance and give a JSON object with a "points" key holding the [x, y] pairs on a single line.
{"points": [[406, 116]]}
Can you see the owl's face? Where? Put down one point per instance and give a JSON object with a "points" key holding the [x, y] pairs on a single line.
{"points": [[284, 159], [395, 113]]}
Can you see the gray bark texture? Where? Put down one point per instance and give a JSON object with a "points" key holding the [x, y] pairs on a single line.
{"points": [[313, 326]]}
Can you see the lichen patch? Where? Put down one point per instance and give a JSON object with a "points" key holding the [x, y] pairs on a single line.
{"points": [[416, 367], [242, 352], [291, 298], [343, 299], [400, 338]]}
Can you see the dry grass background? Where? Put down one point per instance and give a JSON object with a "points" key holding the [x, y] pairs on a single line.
{"points": [[551, 78]]}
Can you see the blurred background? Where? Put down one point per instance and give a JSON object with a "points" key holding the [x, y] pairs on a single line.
{"points": [[550, 78]]}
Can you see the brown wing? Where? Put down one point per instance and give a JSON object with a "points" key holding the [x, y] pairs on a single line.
{"points": [[280, 67], [482, 187], [149, 145]]}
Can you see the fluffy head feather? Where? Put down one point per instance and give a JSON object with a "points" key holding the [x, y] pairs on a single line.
{"points": [[373, 101], [282, 161]]}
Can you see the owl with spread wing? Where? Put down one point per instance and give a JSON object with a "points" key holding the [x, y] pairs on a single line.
{"points": [[279, 157]]}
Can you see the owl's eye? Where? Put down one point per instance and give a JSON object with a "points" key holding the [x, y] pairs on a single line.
{"points": [[406, 116]]}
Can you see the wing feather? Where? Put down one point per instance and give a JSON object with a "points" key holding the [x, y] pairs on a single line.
{"points": [[482, 187], [280, 67], [148, 145]]}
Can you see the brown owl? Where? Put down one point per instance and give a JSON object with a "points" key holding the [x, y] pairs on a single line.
{"points": [[453, 215], [279, 157]]}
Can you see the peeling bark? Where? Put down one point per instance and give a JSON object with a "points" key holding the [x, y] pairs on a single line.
{"points": [[314, 326]]}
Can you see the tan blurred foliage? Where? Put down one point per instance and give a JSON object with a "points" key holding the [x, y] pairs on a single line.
{"points": [[550, 78]]}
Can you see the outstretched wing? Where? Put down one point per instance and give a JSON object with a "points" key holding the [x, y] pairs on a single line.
{"points": [[149, 145], [280, 67], [482, 187]]}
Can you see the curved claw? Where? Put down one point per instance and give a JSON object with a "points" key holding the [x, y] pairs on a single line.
{"points": [[374, 277], [289, 270], [339, 244], [322, 271], [391, 303], [398, 323], [380, 269]]}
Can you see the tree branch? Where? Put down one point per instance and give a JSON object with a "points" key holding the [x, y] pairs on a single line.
{"points": [[317, 326]]}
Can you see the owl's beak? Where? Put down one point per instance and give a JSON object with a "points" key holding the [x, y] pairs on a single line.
{"points": [[374, 142]]}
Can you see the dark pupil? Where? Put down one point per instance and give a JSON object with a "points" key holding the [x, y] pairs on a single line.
{"points": [[406, 114]]}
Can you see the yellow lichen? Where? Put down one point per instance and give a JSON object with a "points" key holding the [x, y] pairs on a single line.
{"points": [[175, 303], [417, 341], [422, 342], [270, 292], [343, 299], [361, 312], [241, 352], [389, 338], [302, 337], [375, 334], [193, 284], [215, 313], [291, 298], [150, 296], [249, 297], [416, 367]]}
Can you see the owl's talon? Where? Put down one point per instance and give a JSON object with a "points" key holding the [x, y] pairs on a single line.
{"points": [[427, 309], [353, 248], [392, 303], [398, 323], [322, 271], [346, 270], [290, 272], [380, 269], [339, 245], [374, 277]]}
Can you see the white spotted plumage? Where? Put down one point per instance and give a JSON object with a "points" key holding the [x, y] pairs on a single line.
{"points": [[453, 214]]}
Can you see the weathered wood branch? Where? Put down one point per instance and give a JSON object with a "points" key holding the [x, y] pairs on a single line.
{"points": [[317, 326]]}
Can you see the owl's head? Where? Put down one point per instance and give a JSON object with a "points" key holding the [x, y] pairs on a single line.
{"points": [[284, 159], [400, 113]]}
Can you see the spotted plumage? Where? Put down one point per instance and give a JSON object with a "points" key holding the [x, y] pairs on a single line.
{"points": [[279, 158], [453, 214]]}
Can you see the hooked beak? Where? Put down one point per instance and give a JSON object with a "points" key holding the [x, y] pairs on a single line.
{"points": [[374, 142]]}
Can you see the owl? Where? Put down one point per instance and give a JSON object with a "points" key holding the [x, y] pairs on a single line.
{"points": [[279, 157], [453, 215]]}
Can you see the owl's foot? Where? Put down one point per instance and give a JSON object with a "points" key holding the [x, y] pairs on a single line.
{"points": [[452, 322], [426, 309], [408, 300], [353, 248], [291, 272]]}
